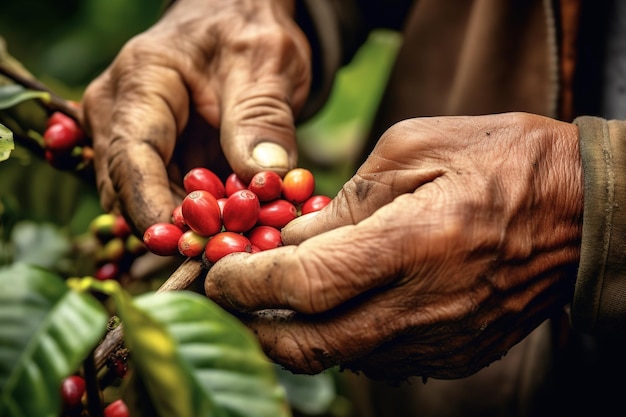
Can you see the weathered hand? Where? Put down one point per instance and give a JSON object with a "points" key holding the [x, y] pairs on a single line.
{"points": [[208, 71], [454, 240]]}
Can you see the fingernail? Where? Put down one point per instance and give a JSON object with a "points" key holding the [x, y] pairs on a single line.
{"points": [[300, 220], [270, 155]]}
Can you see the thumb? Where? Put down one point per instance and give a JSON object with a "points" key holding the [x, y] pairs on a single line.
{"points": [[257, 126]]}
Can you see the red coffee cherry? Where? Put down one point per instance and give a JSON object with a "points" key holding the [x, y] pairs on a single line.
{"points": [[202, 213], [298, 185], [241, 211], [117, 408], [191, 244], [61, 137], [277, 213], [265, 237], [267, 185], [315, 203], [162, 239], [204, 179], [234, 183], [58, 117], [121, 228], [225, 243], [106, 271], [178, 219], [72, 391]]}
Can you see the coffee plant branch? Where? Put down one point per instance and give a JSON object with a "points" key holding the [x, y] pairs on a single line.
{"points": [[181, 279], [56, 102]]}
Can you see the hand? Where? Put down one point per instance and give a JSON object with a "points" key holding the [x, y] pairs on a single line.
{"points": [[240, 67], [453, 241]]}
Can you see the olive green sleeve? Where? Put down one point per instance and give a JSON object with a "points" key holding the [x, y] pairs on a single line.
{"points": [[599, 304]]}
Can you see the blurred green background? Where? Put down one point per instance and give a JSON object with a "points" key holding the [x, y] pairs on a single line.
{"points": [[65, 44]]}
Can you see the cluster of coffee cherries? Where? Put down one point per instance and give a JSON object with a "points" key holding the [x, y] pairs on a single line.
{"points": [[64, 143], [73, 393], [218, 217], [117, 247]]}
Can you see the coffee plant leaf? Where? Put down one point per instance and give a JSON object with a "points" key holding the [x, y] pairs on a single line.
{"points": [[6, 143], [46, 331], [156, 360], [222, 360], [14, 94], [311, 395]]}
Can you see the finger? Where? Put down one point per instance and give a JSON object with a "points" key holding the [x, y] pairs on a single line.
{"points": [[319, 274], [312, 343], [139, 143], [96, 107], [378, 182], [259, 100]]}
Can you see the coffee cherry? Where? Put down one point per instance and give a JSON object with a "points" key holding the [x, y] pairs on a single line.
{"points": [[178, 219], [117, 408], [204, 179], [267, 185], [101, 226], [106, 271], [61, 137], [162, 239], [202, 213], [113, 250], [58, 117], [265, 237], [134, 246], [225, 243], [277, 213], [191, 244], [241, 211], [121, 228], [298, 185], [72, 391], [315, 203], [234, 183]]}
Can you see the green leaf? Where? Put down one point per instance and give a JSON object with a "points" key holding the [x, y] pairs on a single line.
{"points": [[46, 331], [6, 143], [222, 357], [158, 363], [310, 394], [194, 359], [13, 94], [40, 244]]}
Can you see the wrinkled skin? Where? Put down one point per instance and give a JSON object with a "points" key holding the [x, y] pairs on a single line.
{"points": [[455, 239], [211, 76]]}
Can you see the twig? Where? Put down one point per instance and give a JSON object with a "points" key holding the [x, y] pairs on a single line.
{"points": [[94, 399], [180, 279], [56, 102]]}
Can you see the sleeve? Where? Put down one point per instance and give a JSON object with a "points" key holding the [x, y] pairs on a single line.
{"points": [[336, 29], [599, 303]]}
